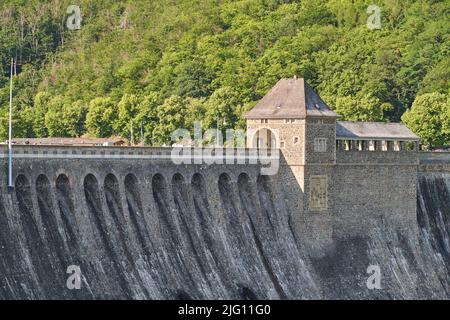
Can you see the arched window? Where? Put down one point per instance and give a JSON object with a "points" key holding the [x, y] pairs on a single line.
{"points": [[264, 139]]}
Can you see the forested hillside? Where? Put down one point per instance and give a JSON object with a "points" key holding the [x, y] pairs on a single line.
{"points": [[163, 64]]}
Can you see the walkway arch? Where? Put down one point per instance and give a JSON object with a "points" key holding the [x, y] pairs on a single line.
{"points": [[265, 138]]}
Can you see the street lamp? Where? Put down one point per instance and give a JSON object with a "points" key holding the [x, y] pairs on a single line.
{"points": [[10, 180]]}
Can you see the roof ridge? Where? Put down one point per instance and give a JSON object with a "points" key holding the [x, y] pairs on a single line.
{"points": [[291, 98], [371, 122], [377, 130]]}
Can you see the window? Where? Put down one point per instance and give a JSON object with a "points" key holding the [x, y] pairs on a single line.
{"points": [[377, 146], [364, 145], [281, 144], [264, 121], [411, 146], [289, 120], [320, 145], [296, 140], [390, 145]]}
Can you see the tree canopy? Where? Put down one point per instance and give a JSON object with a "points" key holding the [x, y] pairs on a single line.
{"points": [[154, 66]]}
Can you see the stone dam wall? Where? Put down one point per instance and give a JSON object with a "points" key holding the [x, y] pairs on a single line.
{"points": [[140, 227]]}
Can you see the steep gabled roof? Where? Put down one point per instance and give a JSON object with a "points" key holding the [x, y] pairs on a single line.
{"points": [[373, 131], [291, 98]]}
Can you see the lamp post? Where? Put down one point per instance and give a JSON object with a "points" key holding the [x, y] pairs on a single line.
{"points": [[217, 133], [10, 182], [131, 133], [142, 133]]}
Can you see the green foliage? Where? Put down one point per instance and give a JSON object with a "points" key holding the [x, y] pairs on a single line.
{"points": [[128, 109], [221, 109], [100, 118], [195, 112], [171, 116], [41, 103], [147, 117], [429, 117], [158, 65], [65, 119], [361, 108]]}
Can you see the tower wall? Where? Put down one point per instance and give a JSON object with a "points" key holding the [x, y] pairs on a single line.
{"points": [[320, 128], [293, 150]]}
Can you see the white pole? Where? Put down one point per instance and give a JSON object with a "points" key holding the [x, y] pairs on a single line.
{"points": [[217, 135], [142, 133], [131, 133], [10, 182]]}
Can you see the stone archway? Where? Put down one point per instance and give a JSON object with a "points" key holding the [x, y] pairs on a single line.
{"points": [[264, 138]]}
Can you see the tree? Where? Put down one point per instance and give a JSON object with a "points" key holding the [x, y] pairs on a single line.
{"points": [[437, 79], [193, 49], [221, 108], [429, 118], [41, 101], [128, 109], [147, 116], [171, 115], [101, 116], [20, 123], [64, 119], [358, 108], [192, 79], [75, 115], [53, 120], [195, 112]]}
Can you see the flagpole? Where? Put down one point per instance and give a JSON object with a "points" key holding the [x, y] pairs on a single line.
{"points": [[10, 182]]}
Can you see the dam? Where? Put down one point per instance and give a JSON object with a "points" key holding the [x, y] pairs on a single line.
{"points": [[139, 226]]}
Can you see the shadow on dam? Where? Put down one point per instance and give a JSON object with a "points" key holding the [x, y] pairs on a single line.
{"points": [[193, 237], [45, 263]]}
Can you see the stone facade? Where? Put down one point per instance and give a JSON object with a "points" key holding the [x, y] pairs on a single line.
{"points": [[348, 182], [289, 136], [143, 227]]}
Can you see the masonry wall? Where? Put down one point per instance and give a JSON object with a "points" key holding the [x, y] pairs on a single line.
{"points": [[293, 152], [368, 184], [361, 193], [143, 228], [362, 187], [320, 128]]}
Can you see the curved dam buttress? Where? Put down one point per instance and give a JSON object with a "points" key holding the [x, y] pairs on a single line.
{"points": [[144, 228]]}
